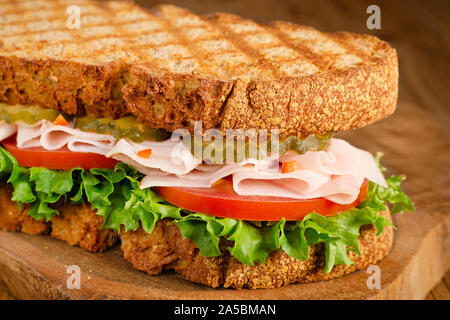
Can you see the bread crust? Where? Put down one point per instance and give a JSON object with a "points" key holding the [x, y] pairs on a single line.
{"points": [[315, 104], [13, 218], [165, 249], [71, 87], [76, 224], [256, 94]]}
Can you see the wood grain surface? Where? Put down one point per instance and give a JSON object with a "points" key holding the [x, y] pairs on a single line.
{"points": [[415, 140], [442, 290]]}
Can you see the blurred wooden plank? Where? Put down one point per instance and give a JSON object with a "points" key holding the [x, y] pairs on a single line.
{"points": [[442, 290], [5, 294]]}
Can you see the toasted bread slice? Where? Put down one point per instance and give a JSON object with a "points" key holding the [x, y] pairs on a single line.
{"points": [[170, 67], [76, 224]]}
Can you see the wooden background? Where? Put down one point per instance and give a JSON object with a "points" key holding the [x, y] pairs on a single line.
{"points": [[416, 139]]}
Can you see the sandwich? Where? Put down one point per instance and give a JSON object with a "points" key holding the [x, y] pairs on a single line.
{"points": [[205, 145]]}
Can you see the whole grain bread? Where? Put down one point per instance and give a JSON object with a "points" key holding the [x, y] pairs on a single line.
{"points": [[78, 225], [170, 67], [165, 249]]}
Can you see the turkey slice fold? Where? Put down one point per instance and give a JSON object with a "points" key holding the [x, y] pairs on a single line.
{"points": [[335, 173]]}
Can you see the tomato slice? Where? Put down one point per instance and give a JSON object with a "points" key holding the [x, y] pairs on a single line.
{"points": [[62, 159], [222, 201]]}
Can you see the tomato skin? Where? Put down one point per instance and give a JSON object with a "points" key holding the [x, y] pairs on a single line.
{"points": [[222, 201], [62, 159]]}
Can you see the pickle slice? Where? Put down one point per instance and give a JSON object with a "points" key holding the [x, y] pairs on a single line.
{"points": [[129, 127], [126, 127], [29, 114], [248, 149], [312, 142]]}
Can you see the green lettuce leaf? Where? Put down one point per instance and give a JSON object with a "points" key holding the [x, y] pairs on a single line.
{"points": [[252, 243], [293, 239], [116, 196]]}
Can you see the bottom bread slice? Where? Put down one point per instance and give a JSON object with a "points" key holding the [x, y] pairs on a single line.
{"points": [[76, 224], [165, 249]]}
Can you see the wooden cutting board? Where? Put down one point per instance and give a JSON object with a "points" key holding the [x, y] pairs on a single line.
{"points": [[415, 140]]}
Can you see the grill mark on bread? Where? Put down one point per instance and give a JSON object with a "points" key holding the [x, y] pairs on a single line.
{"points": [[307, 54], [219, 19], [182, 41]]}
